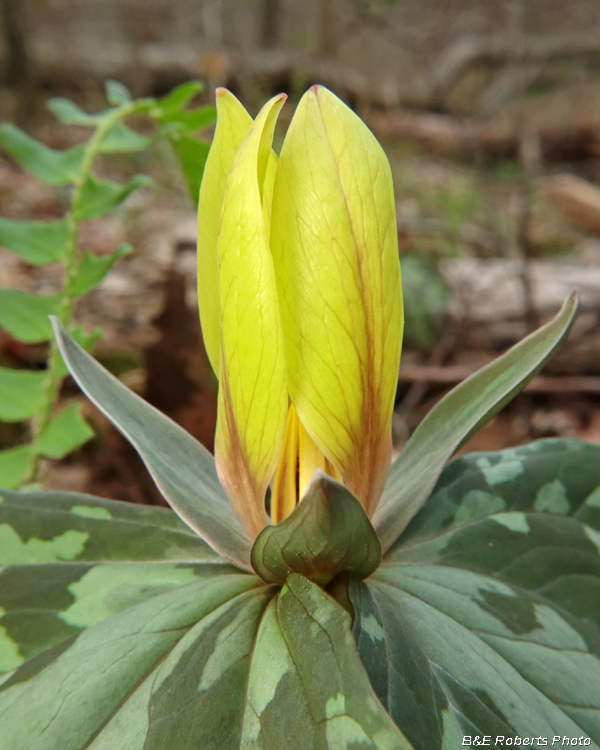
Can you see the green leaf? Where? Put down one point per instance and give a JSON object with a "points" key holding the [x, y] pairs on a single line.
{"points": [[70, 114], [187, 121], [485, 616], [70, 561], [456, 417], [220, 662], [49, 166], [64, 434], [469, 655], [182, 468], [176, 100], [556, 475], [14, 463], [327, 533], [21, 393], [191, 154], [98, 197], [117, 94], [85, 340], [527, 515], [94, 268], [100, 686], [426, 294], [121, 139], [37, 242], [25, 316], [306, 681], [110, 531]]}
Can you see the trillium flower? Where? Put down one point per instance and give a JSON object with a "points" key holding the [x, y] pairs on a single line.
{"points": [[300, 303]]}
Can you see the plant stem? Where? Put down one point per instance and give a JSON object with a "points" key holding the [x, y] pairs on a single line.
{"points": [[64, 313]]}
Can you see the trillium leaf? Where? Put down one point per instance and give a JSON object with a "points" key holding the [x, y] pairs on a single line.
{"points": [[37, 242], [481, 656], [182, 468], [21, 393], [233, 122], [307, 682], [327, 533], [335, 250], [70, 561], [456, 417], [98, 197], [554, 476], [484, 618], [25, 316], [253, 397], [536, 531], [49, 166], [70, 695], [93, 268], [110, 531]]}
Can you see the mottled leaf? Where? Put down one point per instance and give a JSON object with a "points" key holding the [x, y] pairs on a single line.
{"points": [[49, 166], [93, 268], [327, 533], [493, 654], [98, 197], [108, 530], [456, 417], [484, 618], [25, 316], [20, 393], [306, 681], [69, 560], [182, 468], [37, 242], [70, 695], [552, 476]]}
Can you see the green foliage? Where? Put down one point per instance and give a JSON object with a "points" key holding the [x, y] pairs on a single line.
{"points": [[181, 467], [482, 619], [24, 316], [425, 294], [471, 605], [458, 416]]}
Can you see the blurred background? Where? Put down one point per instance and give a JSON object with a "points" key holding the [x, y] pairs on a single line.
{"points": [[490, 116]]}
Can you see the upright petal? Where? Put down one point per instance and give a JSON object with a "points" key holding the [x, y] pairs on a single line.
{"points": [[253, 397], [233, 122], [334, 243]]}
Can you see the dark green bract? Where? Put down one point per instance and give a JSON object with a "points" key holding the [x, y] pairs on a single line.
{"points": [[125, 628]]}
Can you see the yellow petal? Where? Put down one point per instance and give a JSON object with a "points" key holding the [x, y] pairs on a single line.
{"points": [[334, 243], [253, 397], [233, 122]]}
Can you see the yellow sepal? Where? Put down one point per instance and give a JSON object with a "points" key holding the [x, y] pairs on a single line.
{"points": [[334, 244], [233, 122], [253, 397]]}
